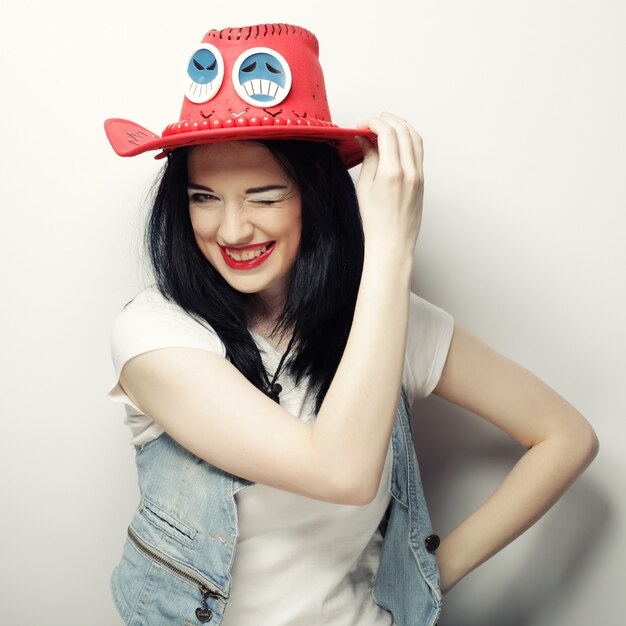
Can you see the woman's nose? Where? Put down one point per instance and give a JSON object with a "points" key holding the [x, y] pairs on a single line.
{"points": [[235, 228]]}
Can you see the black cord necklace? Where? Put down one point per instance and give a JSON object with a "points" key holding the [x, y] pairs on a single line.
{"points": [[273, 389]]}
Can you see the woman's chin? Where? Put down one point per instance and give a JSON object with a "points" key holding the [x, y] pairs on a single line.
{"points": [[245, 284]]}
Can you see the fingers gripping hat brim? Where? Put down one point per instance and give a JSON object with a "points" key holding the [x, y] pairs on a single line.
{"points": [[254, 82]]}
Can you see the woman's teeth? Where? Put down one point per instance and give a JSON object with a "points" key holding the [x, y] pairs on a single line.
{"points": [[246, 255]]}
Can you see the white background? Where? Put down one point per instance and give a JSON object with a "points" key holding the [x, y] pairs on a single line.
{"points": [[521, 108]]}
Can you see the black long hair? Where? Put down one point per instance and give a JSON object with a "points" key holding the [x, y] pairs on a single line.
{"points": [[324, 281]]}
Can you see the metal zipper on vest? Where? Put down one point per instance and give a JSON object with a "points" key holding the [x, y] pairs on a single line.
{"points": [[203, 612]]}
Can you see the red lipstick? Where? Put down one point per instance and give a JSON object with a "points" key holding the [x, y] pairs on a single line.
{"points": [[250, 264]]}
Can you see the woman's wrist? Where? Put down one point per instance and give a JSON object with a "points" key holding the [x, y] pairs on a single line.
{"points": [[450, 572], [386, 260]]}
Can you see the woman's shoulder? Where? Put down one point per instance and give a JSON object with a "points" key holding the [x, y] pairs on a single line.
{"points": [[151, 303], [150, 299], [428, 341], [427, 320], [150, 318]]}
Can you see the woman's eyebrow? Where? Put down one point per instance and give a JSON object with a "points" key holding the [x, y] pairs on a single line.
{"points": [[266, 188], [191, 185]]}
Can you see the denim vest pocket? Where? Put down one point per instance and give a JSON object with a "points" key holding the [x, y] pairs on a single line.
{"points": [[151, 589], [167, 522]]}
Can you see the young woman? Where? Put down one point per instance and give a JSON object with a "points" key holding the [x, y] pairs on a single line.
{"points": [[268, 374]]}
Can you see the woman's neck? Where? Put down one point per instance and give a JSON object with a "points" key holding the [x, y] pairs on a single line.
{"points": [[263, 316]]}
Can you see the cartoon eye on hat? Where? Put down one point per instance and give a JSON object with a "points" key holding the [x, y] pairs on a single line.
{"points": [[262, 77], [204, 73]]}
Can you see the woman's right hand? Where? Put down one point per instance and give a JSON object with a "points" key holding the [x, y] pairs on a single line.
{"points": [[390, 187]]}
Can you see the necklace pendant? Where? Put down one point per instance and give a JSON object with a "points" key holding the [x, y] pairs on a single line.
{"points": [[273, 392]]}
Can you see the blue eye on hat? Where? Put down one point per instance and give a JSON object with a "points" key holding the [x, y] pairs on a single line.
{"points": [[262, 77], [204, 73]]}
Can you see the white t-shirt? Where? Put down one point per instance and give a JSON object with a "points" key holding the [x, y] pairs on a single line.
{"points": [[299, 561]]}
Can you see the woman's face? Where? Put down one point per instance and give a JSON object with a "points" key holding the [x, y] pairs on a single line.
{"points": [[246, 215]]}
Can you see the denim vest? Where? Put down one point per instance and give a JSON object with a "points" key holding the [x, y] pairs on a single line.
{"points": [[175, 569]]}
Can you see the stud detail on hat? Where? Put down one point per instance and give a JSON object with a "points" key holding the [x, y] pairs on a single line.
{"points": [[204, 73], [240, 122]]}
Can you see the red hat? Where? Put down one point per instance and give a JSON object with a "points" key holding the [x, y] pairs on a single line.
{"points": [[253, 82]]}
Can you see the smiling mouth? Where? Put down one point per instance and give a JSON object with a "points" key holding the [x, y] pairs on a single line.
{"points": [[247, 257]]}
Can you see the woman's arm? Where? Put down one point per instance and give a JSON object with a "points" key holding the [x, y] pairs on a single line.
{"points": [[204, 403], [560, 441]]}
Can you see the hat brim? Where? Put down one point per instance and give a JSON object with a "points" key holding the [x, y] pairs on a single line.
{"points": [[130, 139]]}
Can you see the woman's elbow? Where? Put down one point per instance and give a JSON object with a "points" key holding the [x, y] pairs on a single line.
{"points": [[590, 444], [362, 496], [354, 492], [358, 496], [583, 444]]}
